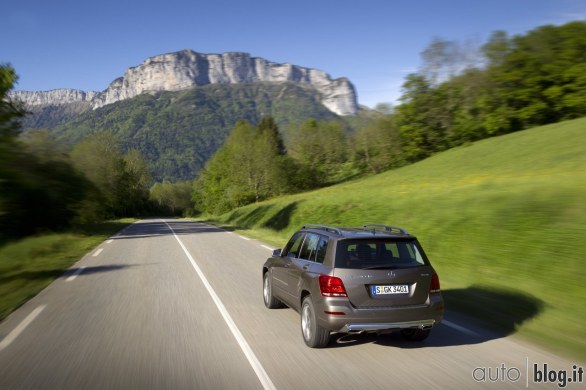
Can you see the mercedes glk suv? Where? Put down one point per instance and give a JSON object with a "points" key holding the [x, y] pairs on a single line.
{"points": [[374, 278]]}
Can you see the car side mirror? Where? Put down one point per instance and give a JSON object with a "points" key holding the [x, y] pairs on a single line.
{"points": [[277, 253]]}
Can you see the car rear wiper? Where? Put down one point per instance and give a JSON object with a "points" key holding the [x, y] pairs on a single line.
{"points": [[387, 266], [395, 266]]}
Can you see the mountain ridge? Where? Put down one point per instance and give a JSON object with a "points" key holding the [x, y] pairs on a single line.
{"points": [[186, 69]]}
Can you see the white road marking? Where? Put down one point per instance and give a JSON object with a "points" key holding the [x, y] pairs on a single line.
{"points": [[75, 274], [460, 328], [244, 238], [97, 253], [140, 235], [109, 241], [269, 248], [18, 330], [252, 359]]}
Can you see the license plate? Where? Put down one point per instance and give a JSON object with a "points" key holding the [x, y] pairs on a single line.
{"points": [[394, 289]]}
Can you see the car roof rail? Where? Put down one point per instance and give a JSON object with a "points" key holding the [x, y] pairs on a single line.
{"points": [[323, 227], [386, 228]]}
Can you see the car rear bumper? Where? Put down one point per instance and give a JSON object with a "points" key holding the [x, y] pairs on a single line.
{"points": [[339, 315], [423, 324]]}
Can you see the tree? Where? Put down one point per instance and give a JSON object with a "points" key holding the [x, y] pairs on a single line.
{"points": [[497, 48], [38, 195], [527, 80], [172, 197], [423, 119], [43, 146], [212, 192], [377, 147], [320, 149], [248, 168], [121, 180], [268, 128], [444, 59], [11, 111], [39, 189], [541, 77], [138, 181]]}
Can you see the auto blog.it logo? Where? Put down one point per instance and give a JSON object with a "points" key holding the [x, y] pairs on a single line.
{"points": [[531, 373]]}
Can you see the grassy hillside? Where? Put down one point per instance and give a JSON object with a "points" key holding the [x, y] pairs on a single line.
{"points": [[503, 221]]}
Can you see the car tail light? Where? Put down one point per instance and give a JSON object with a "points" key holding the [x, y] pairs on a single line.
{"points": [[330, 286], [434, 287]]}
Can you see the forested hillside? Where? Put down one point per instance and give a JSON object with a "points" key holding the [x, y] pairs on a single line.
{"points": [[177, 132], [515, 83]]}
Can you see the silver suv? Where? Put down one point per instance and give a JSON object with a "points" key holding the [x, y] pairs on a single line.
{"points": [[374, 278]]}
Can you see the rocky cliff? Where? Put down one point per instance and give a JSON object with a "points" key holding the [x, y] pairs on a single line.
{"points": [[188, 69]]}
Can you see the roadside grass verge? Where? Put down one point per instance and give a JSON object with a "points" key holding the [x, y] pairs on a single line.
{"points": [[29, 265], [503, 221]]}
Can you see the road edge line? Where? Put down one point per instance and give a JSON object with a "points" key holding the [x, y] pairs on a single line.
{"points": [[75, 274], [97, 252], [21, 327], [248, 352]]}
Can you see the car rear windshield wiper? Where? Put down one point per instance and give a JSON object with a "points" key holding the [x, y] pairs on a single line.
{"points": [[390, 266], [382, 266]]}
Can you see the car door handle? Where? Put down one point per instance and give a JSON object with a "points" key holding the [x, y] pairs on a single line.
{"points": [[306, 266]]}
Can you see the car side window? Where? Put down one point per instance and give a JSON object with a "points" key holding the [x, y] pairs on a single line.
{"points": [[294, 245], [320, 253], [309, 247], [314, 248]]}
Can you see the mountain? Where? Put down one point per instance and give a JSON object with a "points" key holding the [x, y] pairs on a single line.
{"points": [[177, 132], [187, 69], [177, 109]]}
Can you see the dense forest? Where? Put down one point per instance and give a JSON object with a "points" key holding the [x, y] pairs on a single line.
{"points": [[524, 81], [462, 95], [44, 186]]}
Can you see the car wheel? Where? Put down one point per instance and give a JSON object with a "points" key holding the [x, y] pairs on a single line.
{"points": [[267, 293], [414, 334], [314, 335]]}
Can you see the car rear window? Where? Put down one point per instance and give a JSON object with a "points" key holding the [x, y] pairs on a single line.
{"points": [[379, 253]]}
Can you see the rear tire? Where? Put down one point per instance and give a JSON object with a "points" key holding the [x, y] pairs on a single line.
{"points": [[414, 334], [314, 335], [267, 293]]}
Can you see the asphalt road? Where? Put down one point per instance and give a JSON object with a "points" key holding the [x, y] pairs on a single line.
{"points": [[178, 305]]}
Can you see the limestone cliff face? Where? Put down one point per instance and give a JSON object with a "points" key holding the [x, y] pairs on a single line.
{"points": [[55, 97], [188, 69]]}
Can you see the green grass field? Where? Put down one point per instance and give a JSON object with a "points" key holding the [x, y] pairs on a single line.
{"points": [[29, 265], [503, 221]]}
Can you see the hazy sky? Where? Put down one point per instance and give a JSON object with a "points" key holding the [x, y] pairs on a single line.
{"points": [[375, 43]]}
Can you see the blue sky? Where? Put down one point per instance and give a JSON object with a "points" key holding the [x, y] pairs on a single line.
{"points": [[375, 43]]}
